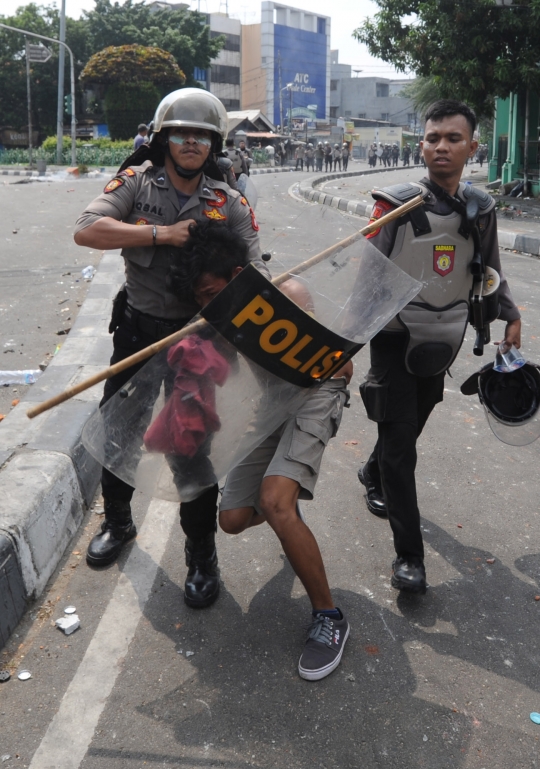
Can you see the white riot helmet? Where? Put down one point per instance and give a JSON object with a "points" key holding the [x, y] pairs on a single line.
{"points": [[192, 108]]}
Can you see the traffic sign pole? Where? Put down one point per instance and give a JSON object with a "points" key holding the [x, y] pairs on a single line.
{"points": [[72, 74]]}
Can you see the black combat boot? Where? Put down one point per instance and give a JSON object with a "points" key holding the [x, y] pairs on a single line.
{"points": [[409, 575], [374, 498], [202, 583], [117, 529]]}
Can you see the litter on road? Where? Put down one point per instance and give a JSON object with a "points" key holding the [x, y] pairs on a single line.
{"points": [[28, 376], [68, 624], [24, 675]]}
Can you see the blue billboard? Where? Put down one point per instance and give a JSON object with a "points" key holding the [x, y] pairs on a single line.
{"points": [[302, 58]]}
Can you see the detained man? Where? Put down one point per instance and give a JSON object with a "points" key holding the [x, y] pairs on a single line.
{"points": [[267, 485]]}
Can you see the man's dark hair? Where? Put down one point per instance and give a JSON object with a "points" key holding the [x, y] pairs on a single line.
{"points": [[211, 248], [229, 143], [142, 127], [449, 107]]}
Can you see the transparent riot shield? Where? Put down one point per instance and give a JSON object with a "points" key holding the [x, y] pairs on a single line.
{"points": [[195, 410]]}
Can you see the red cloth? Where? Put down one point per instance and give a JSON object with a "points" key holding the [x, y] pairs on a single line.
{"points": [[189, 415]]}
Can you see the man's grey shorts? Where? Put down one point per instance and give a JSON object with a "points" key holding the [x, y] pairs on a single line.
{"points": [[294, 451]]}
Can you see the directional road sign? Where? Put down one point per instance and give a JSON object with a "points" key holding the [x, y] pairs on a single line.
{"points": [[38, 53]]}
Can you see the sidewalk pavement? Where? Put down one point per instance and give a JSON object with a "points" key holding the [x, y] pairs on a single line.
{"points": [[107, 172], [522, 236], [46, 474]]}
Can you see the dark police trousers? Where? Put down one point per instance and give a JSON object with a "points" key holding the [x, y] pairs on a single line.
{"points": [[135, 332], [400, 403]]}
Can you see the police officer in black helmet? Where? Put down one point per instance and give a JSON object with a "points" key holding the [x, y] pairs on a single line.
{"points": [[146, 210], [438, 244]]}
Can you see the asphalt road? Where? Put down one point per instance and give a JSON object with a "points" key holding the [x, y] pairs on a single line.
{"points": [[41, 286], [446, 681]]}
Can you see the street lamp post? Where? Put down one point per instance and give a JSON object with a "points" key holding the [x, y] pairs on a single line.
{"points": [[29, 103], [60, 104], [72, 73]]}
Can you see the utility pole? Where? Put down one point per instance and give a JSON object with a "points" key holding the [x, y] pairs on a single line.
{"points": [[280, 94], [526, 148], [29, 101], [60, 106], [290, 109]]}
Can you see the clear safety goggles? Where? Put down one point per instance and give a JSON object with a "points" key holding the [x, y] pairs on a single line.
{"points": [[205, 141]]}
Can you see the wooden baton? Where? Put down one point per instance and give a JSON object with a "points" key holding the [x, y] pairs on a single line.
{"points": [[192, 328]]}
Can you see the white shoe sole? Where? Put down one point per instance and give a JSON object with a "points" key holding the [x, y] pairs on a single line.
{"points": [[316, 675]]}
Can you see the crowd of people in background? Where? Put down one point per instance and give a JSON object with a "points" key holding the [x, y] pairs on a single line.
{"points": [[334, 157]]}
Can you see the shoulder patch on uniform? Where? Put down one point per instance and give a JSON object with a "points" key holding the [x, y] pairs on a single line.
{"points": [[113, 184], [253, 220], [221, 199], [380, 208], [244, 202], [127, 172], [215, 215]]}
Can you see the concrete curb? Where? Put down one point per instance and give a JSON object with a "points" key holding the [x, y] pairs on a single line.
{"points": [[46, 474], [36, 175], [509, 239]]}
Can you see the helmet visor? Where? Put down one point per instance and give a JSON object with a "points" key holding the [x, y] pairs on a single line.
{"points": [[514, 435]]}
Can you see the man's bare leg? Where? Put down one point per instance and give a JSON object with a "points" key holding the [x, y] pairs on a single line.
{"points": [[278, 499]]}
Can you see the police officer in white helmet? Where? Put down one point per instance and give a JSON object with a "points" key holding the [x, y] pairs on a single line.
{"points": [[146, 210]]}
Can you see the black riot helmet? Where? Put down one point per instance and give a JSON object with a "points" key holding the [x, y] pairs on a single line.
{"points": [[511, 402]]}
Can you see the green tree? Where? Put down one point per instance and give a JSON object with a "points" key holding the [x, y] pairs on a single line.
{"points": [[132, 75], [474, 51], [182, 33], [43, 77], [423, 91]]}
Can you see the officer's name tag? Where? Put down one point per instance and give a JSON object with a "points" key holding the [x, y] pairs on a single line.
{"points": [[270, 329]]}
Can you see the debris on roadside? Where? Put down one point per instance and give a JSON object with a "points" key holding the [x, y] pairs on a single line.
{"points": [[70, 610], [88, 272], [190, 654], [25, 377], [535, 718], [24, 675], [68, 624], [5, 675]]}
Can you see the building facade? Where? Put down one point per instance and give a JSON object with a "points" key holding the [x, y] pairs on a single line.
{"points": [[286, 64], [222, 78], [516, 127], [369, 98]]}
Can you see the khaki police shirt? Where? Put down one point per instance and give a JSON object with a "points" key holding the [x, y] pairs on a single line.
{"points": [[385, 238], [144, 195]]}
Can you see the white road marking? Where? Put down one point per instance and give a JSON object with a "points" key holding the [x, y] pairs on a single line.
{"points": [[70, 733]]}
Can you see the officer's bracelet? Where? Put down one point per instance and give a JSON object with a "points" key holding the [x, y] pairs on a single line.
{"points": [[154, 235]]}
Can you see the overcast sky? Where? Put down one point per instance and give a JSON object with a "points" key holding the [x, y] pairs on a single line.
{"points": [[346, 16]]}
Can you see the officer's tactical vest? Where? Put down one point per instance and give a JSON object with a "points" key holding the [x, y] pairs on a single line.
{"points": [[236, 158], [436, 250]]}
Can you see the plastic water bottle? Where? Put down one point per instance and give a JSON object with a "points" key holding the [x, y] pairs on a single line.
{"points": [[19, 377], [88, 272]]}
